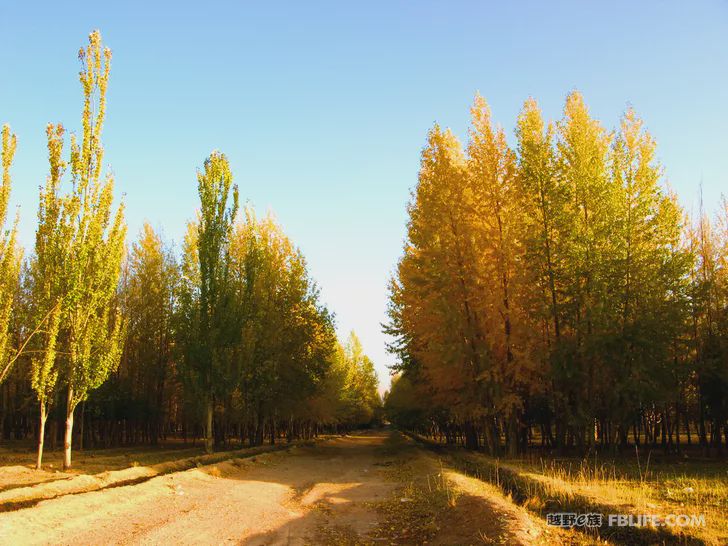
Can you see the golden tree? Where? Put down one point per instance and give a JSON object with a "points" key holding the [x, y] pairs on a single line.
{"points": [[78, 254], [10, 257]]}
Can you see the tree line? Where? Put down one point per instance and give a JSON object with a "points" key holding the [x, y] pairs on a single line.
{"points": [[228, 341], [556, 294]]}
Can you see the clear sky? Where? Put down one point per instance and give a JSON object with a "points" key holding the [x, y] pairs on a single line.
{"points": [[323, 108]]}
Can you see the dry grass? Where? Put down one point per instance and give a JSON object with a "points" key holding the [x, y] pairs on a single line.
{"points": [[92, 461], [437, 504], [621, 486], [644, 487], [638, 484], [413, 514]]}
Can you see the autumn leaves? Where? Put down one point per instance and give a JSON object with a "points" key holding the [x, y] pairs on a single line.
{"points": [[545, 287]]}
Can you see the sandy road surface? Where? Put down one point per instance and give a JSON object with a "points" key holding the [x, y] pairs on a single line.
{"points": [[276, 498]]}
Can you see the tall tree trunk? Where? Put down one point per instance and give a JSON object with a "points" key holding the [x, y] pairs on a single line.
{"points": [[702, 434], [81, 426], [512, 436], [208, 426], [68, 436], [471, 436], [687, 427], [41, 435]]}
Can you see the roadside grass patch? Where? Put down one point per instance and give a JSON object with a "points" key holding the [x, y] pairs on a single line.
{"points": [[613, 488], [413, 514]]}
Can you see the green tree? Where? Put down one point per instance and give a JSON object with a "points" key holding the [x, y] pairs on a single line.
{"points": [[208, 351], [286, 337], [149, 298], [363, 382], [583, 146], [648, 286]]}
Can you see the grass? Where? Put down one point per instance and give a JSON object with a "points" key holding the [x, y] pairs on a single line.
{"points": [[438, 503], [640, 483], [641, 486], [99, 459], [618, 486], [413, 513]]}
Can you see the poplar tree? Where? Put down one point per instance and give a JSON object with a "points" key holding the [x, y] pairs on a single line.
{"points": [[46, 278], [541, 196], [362, 381], [149, 296], [583, 146], [497, 224], [438, 303], [209, 353], [10, 257], [286, 335], [79, 249], [650, 269]]}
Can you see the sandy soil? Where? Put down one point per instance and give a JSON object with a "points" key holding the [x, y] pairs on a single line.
{"points": [[287, 497]]}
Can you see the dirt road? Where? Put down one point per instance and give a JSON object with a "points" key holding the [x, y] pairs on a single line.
{"points": [[346, 490]]}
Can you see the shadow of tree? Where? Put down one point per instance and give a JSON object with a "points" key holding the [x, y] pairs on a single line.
{"points": [[334, 489], [521, 488], [334, 519]]}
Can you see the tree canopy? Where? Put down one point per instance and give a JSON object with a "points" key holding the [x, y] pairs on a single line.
{"points": [[556, 288]]}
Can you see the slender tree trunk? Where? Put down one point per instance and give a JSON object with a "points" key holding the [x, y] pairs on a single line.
{"points": [[208, 426], [512, 436], [41, 435], [702, 434], [677, 428], [81, 426], [3, 409], [471, 436], [68, 436], [687, 428]]}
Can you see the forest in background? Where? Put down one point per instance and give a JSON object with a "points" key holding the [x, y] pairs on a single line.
{"points": [[556, 294], [228, 341]]}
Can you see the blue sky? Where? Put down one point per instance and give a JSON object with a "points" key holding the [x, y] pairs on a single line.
{"points": [[323, 107]]}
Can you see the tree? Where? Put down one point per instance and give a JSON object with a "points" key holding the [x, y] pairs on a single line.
{"points": [[10, 257], [497, 223], [553, 285], [79, 249], [649, 273], [234, 341], [211, 300], [362, 382], [542, 197], [46, 272], [710, 326], [287, 337], [582, 146], [149, 297]]}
